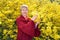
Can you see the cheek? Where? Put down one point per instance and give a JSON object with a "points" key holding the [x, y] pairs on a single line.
{"points": [[26, 11], [22, 11]]}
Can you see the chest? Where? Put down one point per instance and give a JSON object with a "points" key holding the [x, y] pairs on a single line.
{"points": [[25, 21]]}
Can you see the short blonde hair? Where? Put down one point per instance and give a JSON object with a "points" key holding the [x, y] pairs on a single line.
{"points": [[22, 6]]}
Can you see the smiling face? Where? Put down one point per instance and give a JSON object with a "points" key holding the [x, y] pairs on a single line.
{"points": [[24, 10]]}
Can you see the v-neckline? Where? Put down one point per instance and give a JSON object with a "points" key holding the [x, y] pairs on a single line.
{"points": [[24, 18]]}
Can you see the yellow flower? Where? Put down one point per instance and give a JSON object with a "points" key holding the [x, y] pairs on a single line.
{"points": [[12, 36], [36, 38], [46, 10], [10, 32], [0, 22], [5, 31], [48, 31], [1, 14], [56, 36]]}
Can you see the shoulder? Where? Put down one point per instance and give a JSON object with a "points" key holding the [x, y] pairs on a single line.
{"points": [[29, 18], [18, 18]]}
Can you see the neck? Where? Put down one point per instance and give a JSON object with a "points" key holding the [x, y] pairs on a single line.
{"points": [[24, 16]]}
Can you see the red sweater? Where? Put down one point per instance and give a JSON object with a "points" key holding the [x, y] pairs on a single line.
{"points": [[27, 27]]}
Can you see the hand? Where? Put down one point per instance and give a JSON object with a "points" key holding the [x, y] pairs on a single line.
{"points": [[36, 25], [34, 17]]}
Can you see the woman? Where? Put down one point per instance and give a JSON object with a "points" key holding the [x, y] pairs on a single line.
{"points": [[27, 29]]}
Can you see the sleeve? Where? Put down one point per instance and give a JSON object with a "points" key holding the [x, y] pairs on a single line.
{"points": [[37, 31], [26, 27]]}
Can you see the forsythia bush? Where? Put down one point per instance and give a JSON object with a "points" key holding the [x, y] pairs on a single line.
{"points": [[48, 14]]}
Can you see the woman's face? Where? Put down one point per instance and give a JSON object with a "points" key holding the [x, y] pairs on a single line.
{"points": [[24, 11]]}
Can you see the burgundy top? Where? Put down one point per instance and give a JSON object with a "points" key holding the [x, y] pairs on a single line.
{"points": [[27, 27]]}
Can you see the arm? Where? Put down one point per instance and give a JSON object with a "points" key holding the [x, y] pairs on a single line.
{"points": [[37, 30]]}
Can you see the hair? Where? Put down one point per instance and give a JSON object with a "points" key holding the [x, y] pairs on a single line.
{"points": [[23, 6]]}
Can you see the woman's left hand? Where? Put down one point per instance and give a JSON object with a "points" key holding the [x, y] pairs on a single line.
{"points": [[36, 24]]}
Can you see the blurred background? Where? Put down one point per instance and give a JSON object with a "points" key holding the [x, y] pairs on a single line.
{"points": [[48, 15]]}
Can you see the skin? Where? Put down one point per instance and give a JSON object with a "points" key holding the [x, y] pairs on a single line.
{"points": [[24, 13]]}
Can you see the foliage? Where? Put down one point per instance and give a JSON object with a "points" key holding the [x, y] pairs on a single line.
{"points": [[48, 15]]}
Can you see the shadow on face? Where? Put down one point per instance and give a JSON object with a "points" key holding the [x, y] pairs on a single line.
{"points": [[24, 11]]}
